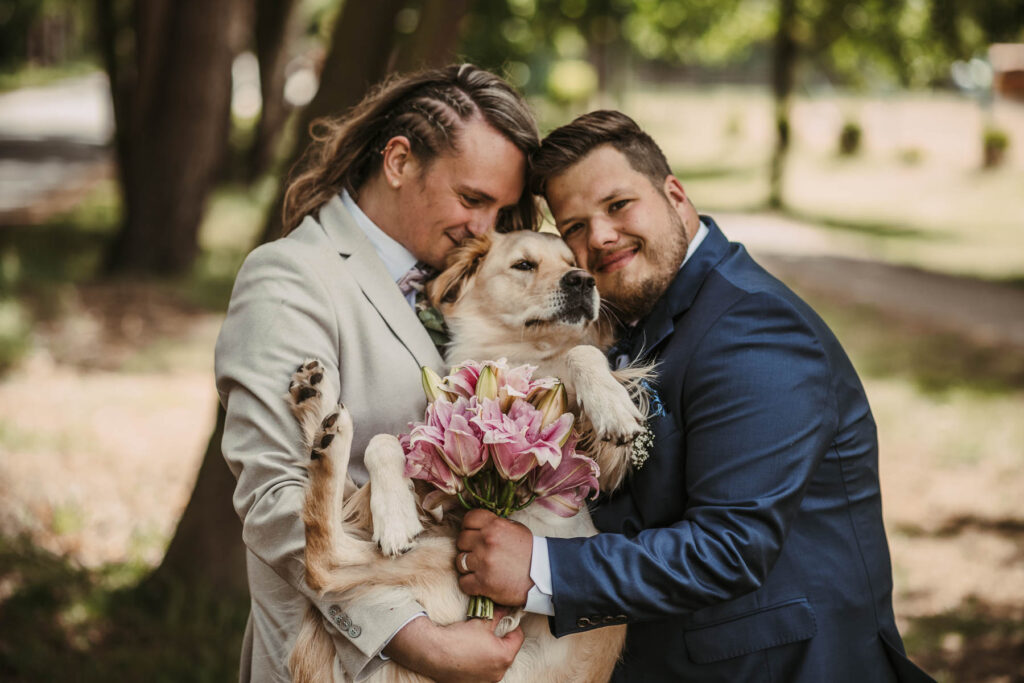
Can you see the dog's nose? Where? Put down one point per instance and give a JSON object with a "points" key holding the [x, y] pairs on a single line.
{"points": [[578, 279]]}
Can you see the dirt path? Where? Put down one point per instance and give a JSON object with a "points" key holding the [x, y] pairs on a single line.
{"points": [[817, 259]]}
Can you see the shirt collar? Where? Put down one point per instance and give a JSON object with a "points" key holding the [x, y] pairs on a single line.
{"points": [[702, 232], [396, 258]]}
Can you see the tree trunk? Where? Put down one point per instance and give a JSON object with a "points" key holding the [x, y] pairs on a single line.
{"points": [[172, 98], [435, 38], [276, 23], [784, 56], [364, 35], [207, 545]]}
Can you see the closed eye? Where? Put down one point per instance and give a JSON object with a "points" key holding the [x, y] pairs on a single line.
{"points": [[524, 264], [572, 229], [469, 201]]}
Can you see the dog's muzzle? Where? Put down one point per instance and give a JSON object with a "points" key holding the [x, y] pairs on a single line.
{"points": [[578, 281], [579, 294]]}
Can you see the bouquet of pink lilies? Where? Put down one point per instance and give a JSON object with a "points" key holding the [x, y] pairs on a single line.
{"points": [[494, 437]]}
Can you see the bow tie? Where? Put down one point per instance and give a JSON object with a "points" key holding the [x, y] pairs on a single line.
{"points": [[413, 280]]}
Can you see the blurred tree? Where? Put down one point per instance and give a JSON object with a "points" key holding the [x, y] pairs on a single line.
{"points": [[169, 64], [207, 546], [276, 27], [42, 33]]}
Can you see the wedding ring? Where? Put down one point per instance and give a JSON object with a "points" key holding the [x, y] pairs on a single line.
{"points": [[462, 563]]}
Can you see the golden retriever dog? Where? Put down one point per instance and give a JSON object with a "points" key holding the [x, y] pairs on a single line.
{"points": [[517, 296]]}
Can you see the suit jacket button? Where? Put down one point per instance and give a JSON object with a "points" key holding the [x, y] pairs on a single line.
{"points": [[345, 623], [354, 632], [584, 622], [609, 619], [333, 611], [622, 619]]}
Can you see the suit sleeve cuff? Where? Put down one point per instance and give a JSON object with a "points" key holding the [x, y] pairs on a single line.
{"points": [[385, 645], [538, 600]]}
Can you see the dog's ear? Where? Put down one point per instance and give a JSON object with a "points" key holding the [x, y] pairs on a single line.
{"points": [[461, 265]]}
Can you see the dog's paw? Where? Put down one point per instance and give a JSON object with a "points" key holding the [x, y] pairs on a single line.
{"points": [[605, 401], [508, 623], [615, 417], [396, 522], [334, 429], [305, 379]]}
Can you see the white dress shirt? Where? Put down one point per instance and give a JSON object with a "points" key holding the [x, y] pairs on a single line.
{"points": [[397, 259]]}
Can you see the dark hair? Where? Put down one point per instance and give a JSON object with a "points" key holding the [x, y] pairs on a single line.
{"points": [[429, 107], [564, 146]]}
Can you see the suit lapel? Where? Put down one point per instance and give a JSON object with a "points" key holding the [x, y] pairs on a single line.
{"points": [[375, 282], [677, 299]]}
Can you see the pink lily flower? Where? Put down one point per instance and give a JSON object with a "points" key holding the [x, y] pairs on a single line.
{"points": [[563, 489], [517, 441], [462, 449], [423, 461], [461, 381]]}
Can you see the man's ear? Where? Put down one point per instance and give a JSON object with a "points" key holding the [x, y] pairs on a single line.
{"points": [[673, 189], [462, 263], [397, 156]]}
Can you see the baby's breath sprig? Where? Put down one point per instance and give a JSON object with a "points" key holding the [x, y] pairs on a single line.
{"points": [[642, 446]]}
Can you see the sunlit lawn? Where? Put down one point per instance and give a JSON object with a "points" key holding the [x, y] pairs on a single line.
{"points": [[915, 195]]}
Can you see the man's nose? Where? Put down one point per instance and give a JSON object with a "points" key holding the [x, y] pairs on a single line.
{"points": [[482, 221], [602, 234]]}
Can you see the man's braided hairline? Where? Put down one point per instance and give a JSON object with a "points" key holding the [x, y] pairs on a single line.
{"points": [[431, 120], [430, 108]]}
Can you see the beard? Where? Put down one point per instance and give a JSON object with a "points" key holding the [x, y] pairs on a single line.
{"points": [[633, 294]]}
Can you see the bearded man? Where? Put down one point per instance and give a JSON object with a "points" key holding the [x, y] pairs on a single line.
{"points": [[749, 545]]}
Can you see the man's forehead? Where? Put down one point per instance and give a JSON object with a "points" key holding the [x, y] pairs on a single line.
{"points": [[596, 178], [487, 163]]}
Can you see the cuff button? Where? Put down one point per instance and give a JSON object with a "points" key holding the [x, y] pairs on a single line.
{"points": [[354, 632]]}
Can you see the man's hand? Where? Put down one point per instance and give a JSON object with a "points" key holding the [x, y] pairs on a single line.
{"points": [[494, 558], [463, 652]]}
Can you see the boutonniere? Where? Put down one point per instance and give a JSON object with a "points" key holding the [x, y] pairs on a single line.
{"points": [[643, 444], [432, 321]]}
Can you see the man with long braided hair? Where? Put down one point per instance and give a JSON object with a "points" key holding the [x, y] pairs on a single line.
{"points": [[423, 162]]}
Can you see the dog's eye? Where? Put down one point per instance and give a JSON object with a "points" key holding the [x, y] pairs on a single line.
{"points": [[523, 264]]}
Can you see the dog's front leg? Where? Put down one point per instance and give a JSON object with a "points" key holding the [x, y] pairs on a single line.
{"points": [[396, 521], [606, 402]]}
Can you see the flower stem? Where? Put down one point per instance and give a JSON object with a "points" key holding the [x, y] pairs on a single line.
{"points": [[480, 607], [528, 501], [483, 501]]}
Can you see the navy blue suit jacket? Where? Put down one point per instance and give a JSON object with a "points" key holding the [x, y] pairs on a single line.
{"points": [[750, 545]]}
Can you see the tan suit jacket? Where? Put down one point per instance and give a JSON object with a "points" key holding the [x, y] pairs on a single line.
{"points": [[321, 292]]}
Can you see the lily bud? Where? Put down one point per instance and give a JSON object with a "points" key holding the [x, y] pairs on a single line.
{"points": [[552, 404], [432, 385], [487, 384]]}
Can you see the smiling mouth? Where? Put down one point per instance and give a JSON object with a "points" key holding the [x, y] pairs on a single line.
{"points": [[616, 260]]}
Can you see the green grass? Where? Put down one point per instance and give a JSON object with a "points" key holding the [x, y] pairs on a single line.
{"points": [[63, 622], [30, 75]]}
